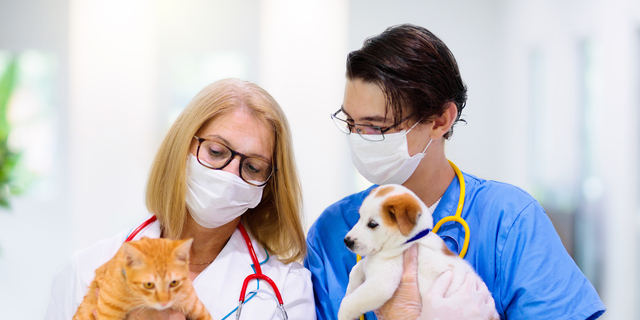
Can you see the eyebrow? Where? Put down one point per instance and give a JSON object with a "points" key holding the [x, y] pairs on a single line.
{"points": [[229, 145], [368, 118]]}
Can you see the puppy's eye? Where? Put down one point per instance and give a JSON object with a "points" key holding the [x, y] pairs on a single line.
{"points": [[372, 224]]}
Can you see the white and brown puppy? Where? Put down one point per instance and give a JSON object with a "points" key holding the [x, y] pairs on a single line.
{"points": [[390, 218]]}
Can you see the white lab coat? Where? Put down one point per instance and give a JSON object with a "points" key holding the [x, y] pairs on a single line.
{"points": [[218, 286]]}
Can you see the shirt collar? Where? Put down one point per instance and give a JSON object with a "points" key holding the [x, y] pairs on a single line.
{"points": [[449, 202], [237, 240]]}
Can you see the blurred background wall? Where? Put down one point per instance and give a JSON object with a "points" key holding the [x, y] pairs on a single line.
{"points": [[553, 108]]}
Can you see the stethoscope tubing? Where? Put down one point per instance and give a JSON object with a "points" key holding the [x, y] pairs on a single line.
{"points": [[458, 216]]}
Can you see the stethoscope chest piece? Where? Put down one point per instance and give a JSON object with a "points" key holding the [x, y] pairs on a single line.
{"points": [[280, 306]]}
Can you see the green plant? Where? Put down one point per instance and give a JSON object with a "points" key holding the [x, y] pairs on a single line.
{"points": [[8, 159]]}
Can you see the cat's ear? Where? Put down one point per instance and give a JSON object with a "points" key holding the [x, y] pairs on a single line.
{"points": [[181, 252], [132, 256]]}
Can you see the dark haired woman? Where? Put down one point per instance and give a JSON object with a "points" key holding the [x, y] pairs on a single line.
{"points": [[403, 96]]}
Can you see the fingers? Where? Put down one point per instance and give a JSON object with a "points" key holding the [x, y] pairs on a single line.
{"points": [[94, 312], [483, 290], [175, 315], [470, 283], [441, 285], [410, 260]]}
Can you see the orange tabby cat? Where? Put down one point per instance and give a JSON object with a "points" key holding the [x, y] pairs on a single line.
{"points": [[148, 273]]}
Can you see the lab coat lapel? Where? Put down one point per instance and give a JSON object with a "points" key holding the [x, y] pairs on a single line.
{"points": [[219, 285], [151, 231]]}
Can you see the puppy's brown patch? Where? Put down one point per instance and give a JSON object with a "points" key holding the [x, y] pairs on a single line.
{"points": [[446, 250], [401, 210], [383, 191]]}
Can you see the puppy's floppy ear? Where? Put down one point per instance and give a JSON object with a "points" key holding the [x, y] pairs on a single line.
{"points": [[402, 210]]}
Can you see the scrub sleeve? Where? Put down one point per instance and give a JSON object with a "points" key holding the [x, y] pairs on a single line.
{"points": [[513, 247]]}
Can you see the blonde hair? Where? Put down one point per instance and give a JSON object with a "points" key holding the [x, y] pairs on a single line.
{"points": [[276, 221]]}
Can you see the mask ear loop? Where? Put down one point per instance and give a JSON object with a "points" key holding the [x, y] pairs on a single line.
{"points": [[425, 148], [414, 125]]}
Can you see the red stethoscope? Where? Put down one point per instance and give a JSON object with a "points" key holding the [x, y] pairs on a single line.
{"points": [[256, 264]]}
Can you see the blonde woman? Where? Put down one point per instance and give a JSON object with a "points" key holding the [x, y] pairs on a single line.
{"points": [[225, 163]]}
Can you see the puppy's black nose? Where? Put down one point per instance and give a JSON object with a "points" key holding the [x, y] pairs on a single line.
{"points": [[349, 242]]}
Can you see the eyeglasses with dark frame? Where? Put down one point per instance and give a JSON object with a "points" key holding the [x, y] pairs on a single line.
{"points": [[253, 170], [367, 132]]}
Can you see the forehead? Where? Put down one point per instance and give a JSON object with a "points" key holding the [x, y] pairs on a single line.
{"points": [[364, 99], [242, 131], [372, 204]]}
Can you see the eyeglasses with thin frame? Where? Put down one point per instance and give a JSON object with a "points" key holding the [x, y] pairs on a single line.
{"points": [[215, 155], [367, 132]]}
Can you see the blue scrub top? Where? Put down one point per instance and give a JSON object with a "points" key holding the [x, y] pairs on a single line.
{"points": [[513, 247]]}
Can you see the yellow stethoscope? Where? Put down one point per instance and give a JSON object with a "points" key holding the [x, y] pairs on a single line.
{"points": [[456, 218]]}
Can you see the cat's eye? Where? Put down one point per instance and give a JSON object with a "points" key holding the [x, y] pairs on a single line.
{"points": [[149, 285], [174, 283]]}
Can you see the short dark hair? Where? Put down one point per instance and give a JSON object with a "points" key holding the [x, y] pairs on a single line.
{"points": [[414, 69]]}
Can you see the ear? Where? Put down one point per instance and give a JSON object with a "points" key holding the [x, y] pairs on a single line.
{"points": [[403, 210], [132, 256], [181, 251], [443, 123]]}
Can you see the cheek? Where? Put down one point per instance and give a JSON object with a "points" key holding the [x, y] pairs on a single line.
{"points": [[194, 147], [356, 232], [371, 237], [418, 139], [146, 293]]}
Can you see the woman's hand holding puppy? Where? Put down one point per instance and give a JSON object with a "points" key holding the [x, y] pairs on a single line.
{"points": [[471, 302]]}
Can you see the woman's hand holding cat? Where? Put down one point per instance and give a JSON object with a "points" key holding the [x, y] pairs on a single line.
{"points": [[148, 314], [152, 314]]}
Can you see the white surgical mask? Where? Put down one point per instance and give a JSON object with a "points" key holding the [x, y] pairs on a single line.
{"points": [[215, 197], [386, 161]]}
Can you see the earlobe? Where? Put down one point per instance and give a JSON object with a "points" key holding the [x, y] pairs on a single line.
{"points": [[443, 123]]}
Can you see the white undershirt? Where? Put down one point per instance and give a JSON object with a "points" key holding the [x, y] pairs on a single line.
{"points": [[432, 208]]}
